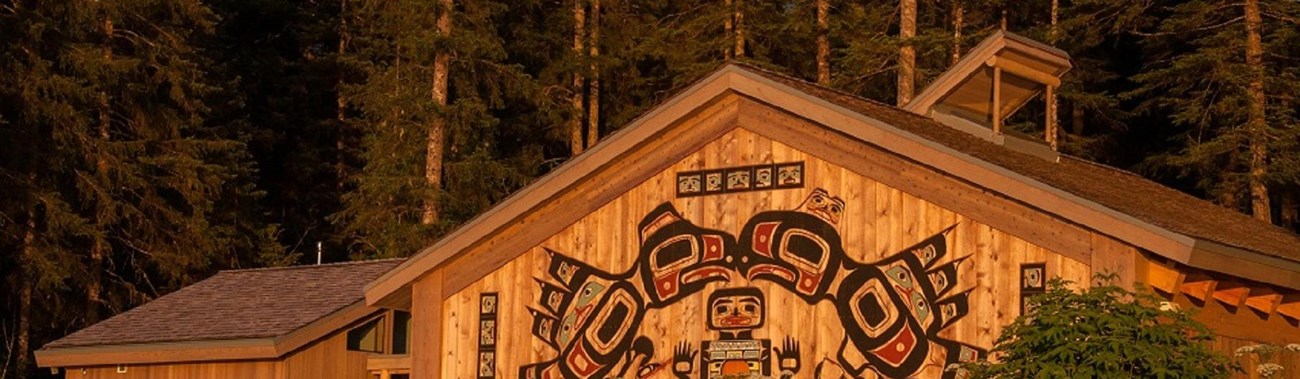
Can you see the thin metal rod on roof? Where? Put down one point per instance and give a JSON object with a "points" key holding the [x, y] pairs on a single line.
{"points": [[318, 252]]}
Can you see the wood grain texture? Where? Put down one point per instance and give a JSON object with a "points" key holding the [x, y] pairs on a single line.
{"points": [[879, 220], [427, 334], [324, 359]]}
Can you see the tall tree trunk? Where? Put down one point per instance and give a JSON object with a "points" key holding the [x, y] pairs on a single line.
{"points": [[94, 282], [1257, 123], [958, 22], [739, 12], [1290, 211], [1076, 117], [340, 140], [438, 128], [27, 281], [579, 83], [23, 346], [906, 52], [1054, 32], [729, 26], [593, 86], [1053, 121], [823, 42]]}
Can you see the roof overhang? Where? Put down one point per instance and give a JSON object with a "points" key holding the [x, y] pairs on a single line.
{"points": [[393, 288], [1026, 67], [245, 349]]}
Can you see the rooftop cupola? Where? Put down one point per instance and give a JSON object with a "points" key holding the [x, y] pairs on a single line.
{"points": [[993, 81]]}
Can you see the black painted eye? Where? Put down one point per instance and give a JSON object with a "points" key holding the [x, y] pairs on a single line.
{"points": [[750, 309], [818, 200]]}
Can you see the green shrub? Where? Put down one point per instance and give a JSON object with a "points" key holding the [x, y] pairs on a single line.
{"points": [[1101, 332]]}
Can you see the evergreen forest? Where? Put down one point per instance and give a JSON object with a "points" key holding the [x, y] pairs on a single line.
{"points": [[147, 144]]}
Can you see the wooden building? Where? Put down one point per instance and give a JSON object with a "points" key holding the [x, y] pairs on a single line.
{"points": [[306, 322], [752, 224], [759, 224]]}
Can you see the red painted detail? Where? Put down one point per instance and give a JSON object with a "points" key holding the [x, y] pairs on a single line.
{"points": [[898, 348], [712, 248], [782, 272], [808, 282], [706, 273], [580, 361], [763, 235], [666, 285]]}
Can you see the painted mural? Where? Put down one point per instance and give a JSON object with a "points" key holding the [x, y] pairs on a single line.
{"points": [[891, 310]]}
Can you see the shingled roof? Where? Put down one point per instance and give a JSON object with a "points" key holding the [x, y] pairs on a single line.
{"points": [[1111, 187], [1147, 215], [237, 304]]}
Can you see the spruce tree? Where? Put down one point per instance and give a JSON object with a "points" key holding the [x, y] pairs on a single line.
{"points": [[1217, 69], [120, 181]]}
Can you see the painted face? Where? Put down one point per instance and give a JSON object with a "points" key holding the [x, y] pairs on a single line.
{"points": [[823, 205], [678, 258], [688, 184], [738, 180], [895, 306], [736, 309], [589, 317], [800, 250], [763, 177]]}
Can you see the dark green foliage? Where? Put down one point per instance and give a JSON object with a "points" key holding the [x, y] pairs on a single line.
{"points": [[244, 132], [1102, 332], [1196, 76]]}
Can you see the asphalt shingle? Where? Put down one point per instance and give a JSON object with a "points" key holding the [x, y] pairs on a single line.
{"points": [[238, 304]]}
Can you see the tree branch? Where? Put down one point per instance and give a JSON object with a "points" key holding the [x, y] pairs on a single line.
{"points": [[1281, 17], [1200, 29]]}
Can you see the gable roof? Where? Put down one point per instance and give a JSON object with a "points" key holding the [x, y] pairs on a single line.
{"points": [[1110, 201], [236, 305], [1109, 187]]}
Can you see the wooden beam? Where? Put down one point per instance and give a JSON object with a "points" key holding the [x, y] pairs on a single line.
{"points": [[1263, 300], [997, 100], [426, 326], [1161, 277], [1231, 293], [1289, 307], [1198, 286], [1052, 132], [1021, 70]]}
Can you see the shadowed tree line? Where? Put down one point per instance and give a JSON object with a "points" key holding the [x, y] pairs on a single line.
{"points": [[146, 144]]}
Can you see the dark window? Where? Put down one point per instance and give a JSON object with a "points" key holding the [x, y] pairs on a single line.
{"points": [[367, 337], [401, 332]]}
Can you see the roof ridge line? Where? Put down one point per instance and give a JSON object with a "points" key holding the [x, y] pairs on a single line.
{"points": [[309, 266]]}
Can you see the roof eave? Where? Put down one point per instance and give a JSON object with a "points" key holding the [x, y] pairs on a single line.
{"points": [[159, 352], [243, 349]]}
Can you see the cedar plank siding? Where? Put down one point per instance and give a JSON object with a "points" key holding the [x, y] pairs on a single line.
{"points": [[880, 219], [324, 359]]}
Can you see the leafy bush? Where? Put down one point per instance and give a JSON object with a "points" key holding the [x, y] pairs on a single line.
{"points": [[1102, 332]]}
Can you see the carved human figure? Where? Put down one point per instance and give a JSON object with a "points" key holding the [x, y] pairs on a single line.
{"points": [[735, 313]]}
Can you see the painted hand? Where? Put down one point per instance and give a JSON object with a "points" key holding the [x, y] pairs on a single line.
{"points": [[684, 360], [788, 357]]}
